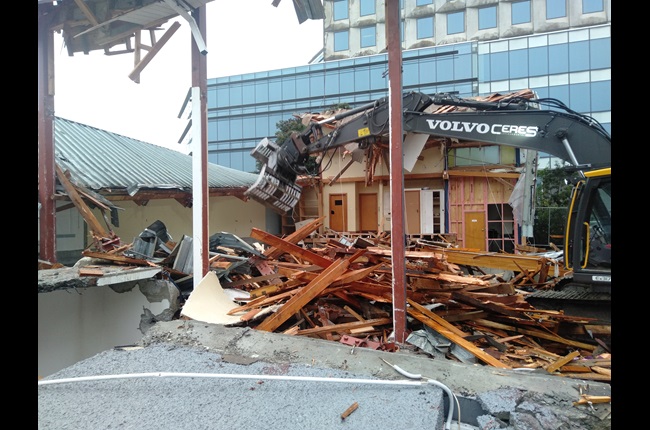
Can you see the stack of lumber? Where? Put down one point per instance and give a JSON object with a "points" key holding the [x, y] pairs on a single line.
{"points": [[342, 291], [345, 294]]}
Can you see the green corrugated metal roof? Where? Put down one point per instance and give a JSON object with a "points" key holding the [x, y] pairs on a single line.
{"points": [[98, 159]]}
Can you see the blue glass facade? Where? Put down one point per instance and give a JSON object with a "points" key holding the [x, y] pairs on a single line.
{"points": [[573, 66]]}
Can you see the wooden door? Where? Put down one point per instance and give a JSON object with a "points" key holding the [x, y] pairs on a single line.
{"points": [[368, 214], [338, 212], [412, 210], [475, 230]]}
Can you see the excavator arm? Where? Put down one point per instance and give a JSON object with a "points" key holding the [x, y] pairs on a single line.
{"points": [[516, 121]]}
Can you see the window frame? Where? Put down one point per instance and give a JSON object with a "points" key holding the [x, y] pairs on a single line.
{"points": [[481, 12], [426, 19], [591, 6], [336, 35], [367, 5], [554, 6], [374, 35], [512, 12], [340, 10], [452, 15]]}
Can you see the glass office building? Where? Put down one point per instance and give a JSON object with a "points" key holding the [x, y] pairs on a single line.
{"points": [[572, 65]]}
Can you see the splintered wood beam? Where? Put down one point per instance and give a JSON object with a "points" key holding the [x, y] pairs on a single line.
{"points": [[94, 225], [87, 12], [135, 73], [307, 293], [447, 330], [290, 248], [296, 236], [345, 327], [562, 361], [537, 333], [513, 262]]}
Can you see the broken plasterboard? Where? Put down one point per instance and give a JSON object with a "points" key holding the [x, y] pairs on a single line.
{"points": [[209, 303]]}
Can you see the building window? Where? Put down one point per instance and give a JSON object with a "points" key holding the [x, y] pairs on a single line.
{"points": [[367, 7], [341, 42], [555, 9], [590, 6], [423, 2], [478, 156], [520, 12], [501, 228], [368, 36], [456, 22], [425, 27], [487, 17], [340, 9]]}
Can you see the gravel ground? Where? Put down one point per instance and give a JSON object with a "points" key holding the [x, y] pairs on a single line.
{"points": [[262, 398], [192, 375]]}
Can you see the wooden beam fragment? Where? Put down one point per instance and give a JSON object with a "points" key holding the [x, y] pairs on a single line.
{"points": [[345, 327], [296, 236], [135, 73], [562, 361], [95, 227], [450, 332], [290, 248], [307, 293]]}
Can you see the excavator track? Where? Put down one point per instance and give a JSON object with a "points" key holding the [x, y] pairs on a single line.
{"points": [[580, 303], [574, 302]]}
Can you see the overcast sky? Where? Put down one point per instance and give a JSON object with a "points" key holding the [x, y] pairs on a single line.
{"points": [[242, 36]]}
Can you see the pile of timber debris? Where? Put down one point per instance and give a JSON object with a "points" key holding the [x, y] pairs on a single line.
{"points": [[343, 292]]}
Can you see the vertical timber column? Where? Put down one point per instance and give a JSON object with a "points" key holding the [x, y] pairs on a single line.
{"points": [[46, 172], [398, 245], [200, 190]]}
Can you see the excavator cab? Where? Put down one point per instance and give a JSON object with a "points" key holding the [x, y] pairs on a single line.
{"points": [[588, 235]]}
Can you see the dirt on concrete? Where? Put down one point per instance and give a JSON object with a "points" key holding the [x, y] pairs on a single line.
{"points": [[533, 399]]}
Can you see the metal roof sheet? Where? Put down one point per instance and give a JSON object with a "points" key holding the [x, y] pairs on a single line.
{"points": [[98, 159]]}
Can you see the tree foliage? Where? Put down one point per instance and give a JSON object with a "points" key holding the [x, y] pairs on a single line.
{"points": [[552, 197]]}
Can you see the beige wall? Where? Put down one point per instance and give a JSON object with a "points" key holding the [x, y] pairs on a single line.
{"points": [[431, 162], [228, 214], [76, 324]]}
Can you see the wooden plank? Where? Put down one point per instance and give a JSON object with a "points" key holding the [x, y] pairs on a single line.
{"points": [[358, 317], [344, 327], [437, 318], [262, 301], [562, 361], [453, 337], [602, 370], [307, 293], [290, 248], [296, 237], [248, 281], [95, 227], [354, 275], [585, 400], [487, 306], [537, 333], [90, 271], [587, 376], [497, 260]]}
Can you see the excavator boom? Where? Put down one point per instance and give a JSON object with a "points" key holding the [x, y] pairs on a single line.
{"points": [[517, 122]]}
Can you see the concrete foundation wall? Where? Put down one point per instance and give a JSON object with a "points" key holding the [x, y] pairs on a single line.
{"points": [[76, 324]]}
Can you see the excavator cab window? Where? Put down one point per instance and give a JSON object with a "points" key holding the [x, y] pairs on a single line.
{"points": [[597, 246]]}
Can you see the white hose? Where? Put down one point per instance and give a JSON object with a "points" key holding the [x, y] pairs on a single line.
{"points": [[451, 395], [227, 375], [248, 376]]}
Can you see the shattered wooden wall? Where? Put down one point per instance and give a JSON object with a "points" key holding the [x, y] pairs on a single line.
{"points": [[469, 190], [474, 193]]}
